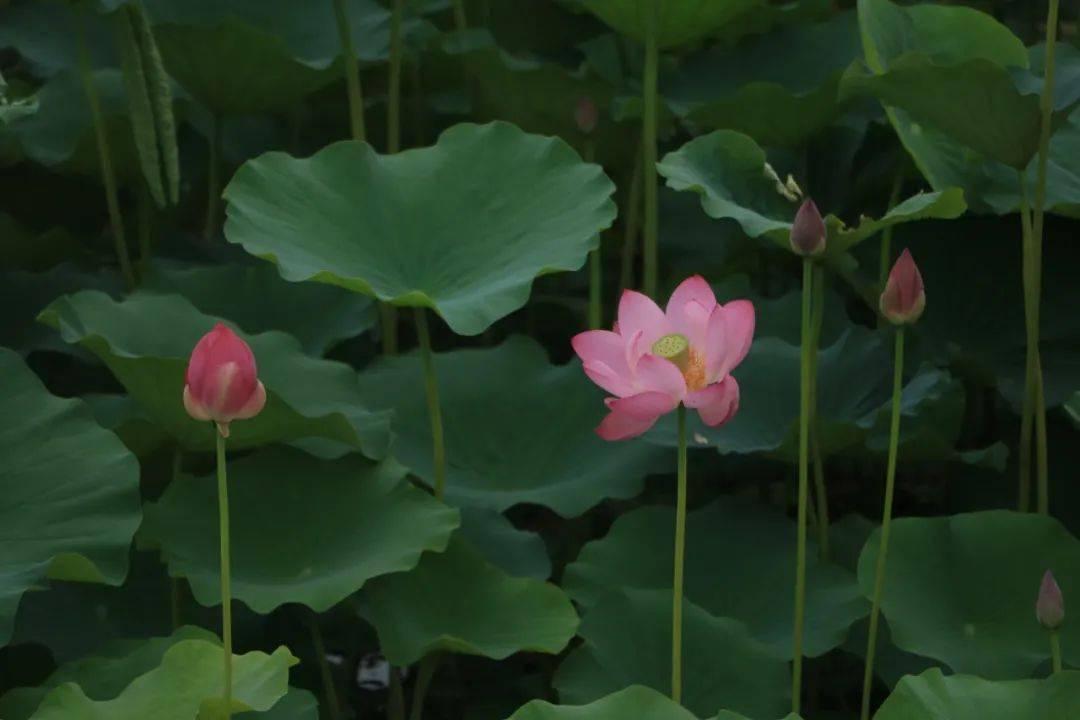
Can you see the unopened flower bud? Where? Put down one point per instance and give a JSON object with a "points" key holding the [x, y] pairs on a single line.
{"points": [[586, 115], [808, 230], [1050, 607], [904, 298], [221, 383]]}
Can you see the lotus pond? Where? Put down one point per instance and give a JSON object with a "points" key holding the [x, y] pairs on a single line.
{"points": [[539, 360]]}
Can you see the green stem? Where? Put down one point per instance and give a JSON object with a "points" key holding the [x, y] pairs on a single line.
{"points": [[434, 410], [329, 691], [226, 593], [108, 175], [395, 704], [817, 319], [460, 22], [680, 555], [1027, 409], [805, 367], [423, 682], [393, 112], [886, 520], [213, 177], [1047, 108], [648, 145], [596, 308], [633, 221], [352, 73], [885, 263], [1055, 651]]}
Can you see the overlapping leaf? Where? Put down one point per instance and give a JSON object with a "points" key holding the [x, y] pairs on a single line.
{"points": [[146, 340], [348, 521], [462, 227], [503, 447], [934, 696], [69, 492], [636, 701]]}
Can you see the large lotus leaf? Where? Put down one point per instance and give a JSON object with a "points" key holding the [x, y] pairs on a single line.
{"points": [[520, 553], [185, 686], [258, 300], [934, 696], [348, 521], [457, 601], [61, 133], [518, 429], [677, 21], [627, 636], [637, 553], [69, 503], [961, 589], [44, 34], [640, 703], [146, 341], [780, 88], [731, 173], [102, 676], [463, 227]]}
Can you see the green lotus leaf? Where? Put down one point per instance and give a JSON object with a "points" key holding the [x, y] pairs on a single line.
{"points": [[258, 300], [503, 448], [350, 521], [679, 22], [70, 492], [781, 88], [480, 610], [934, 696], [731, 173], [636, 701], [44, 35], [627, 636], [637, 554], [962, 589], [462, 227], [518, 552], [185, 686], [146, 340]]}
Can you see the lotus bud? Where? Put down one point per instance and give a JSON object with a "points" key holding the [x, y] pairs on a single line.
{"points": [[1050, 607], [222, 381], [808, 231], [586, 115], [904, 298]]}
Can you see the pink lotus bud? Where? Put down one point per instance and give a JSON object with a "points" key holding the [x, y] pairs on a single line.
{"points": [[808, 231], [904, 299], [221, 383], [1050, 607], [586, 115]]}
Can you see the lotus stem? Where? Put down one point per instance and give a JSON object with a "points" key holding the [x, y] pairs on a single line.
{"points": [[648, 145], [319, 648], [817, 319], [434, 409], [226, 593], [596, 307], [680, 555], [393, 112], [805, 366], [352, 73], [630, 229], [423, 681], [886, 521], [460, 21], [395, 703], [1055, 651], [1027, 410]]}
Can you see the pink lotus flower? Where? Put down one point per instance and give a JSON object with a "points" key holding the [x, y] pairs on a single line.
{"points": [[586, 115], [1050, 607], [653, 360], [222, 381], [904, 298]]}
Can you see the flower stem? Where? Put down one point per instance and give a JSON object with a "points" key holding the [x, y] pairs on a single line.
{"points": [[1055, 651], [648, 146], [1035, 290], [805, 366], [324, 667], [460, 21], [434, 410], [226, 593], [630, 229], [596, 307], [423, 681], [886, 521], [108, 176], [680, 555], [393, 112], [352, 73], [213, 177], [1027, 409], [817, 319]]}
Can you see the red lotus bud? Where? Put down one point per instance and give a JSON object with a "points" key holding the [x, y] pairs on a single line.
{"points": [[808, 231], [586, 115], [904, 298], [222, 381], [1050, 607]]}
